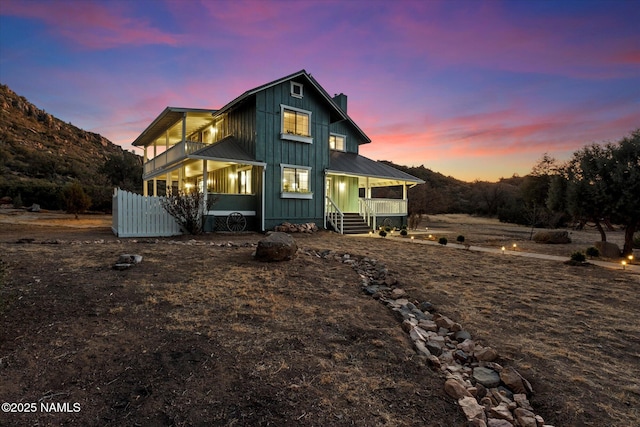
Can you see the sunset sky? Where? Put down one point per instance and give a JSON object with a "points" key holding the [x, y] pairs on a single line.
{"points": [[471, 89]]}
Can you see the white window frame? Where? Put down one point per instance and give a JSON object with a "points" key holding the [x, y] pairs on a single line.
{"points": [[291, 136], [294, 194], [344, 141], [294, 86]]}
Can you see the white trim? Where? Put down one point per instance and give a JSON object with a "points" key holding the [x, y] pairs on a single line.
{"points": [[291, 136], [290, 195], [293, 92], [226, 213]]}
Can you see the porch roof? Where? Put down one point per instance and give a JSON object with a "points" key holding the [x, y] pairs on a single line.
{"points": [[227, 150], [166, 121], [357, 165]]}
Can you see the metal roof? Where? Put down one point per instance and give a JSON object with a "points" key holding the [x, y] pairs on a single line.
{"points": [[357, 165], [336, 112], [226, 150], [170, 121]]}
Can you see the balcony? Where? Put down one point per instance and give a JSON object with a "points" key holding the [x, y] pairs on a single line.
{"points": [[173, 155]]}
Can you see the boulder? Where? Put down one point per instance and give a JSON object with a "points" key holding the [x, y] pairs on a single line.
{"points": [[608, 249], [277, 246], [552, 237], [456, 390], [487, 377]]}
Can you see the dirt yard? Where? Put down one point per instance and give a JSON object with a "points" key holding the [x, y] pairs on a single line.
{"points": [[201, 334]]}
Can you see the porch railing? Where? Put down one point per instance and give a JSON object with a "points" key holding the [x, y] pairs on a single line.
{"points": [[335, 217], [371, 209], [174, 154]]}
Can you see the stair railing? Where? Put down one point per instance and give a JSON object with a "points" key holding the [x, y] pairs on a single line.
{"points": [[335, 216], [367, 212]]}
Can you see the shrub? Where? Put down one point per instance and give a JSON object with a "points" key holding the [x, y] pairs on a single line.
{"points": [[578, 257], [593, 252], [17, 201], [387, 229], [382, 233], [188, 209], [75, 199], [443, 241], [403, 232], [460, 239]]}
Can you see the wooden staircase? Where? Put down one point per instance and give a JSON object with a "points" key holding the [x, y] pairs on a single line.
{"points": [[355, 224]]}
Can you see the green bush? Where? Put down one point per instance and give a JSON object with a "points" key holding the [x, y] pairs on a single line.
{"points": [[578, 257], [593, 252], [403, 232], [443, 241], [76, 200], [382, 233], [460, 239]]}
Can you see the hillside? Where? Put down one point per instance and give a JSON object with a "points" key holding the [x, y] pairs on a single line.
{"points": [[40, 154]]}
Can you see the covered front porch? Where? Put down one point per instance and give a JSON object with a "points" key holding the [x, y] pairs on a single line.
{"points": [[230, 179], [374, 191]]}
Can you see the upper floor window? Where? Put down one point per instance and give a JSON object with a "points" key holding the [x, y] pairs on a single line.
{"points": [[296, 90], [336, 142], [296, 124]]}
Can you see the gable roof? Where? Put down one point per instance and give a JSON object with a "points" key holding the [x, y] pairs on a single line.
{"points": [[357, 165], [335, 109]]}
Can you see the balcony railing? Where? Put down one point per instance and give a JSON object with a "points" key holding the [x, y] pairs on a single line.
{"points": [[173, 155]]}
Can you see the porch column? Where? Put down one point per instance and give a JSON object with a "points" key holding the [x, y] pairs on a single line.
{"points": [[367, 193], [404, 191], [184, 127], [155, 187], [145, 188], [204, 183], [180, 178]]}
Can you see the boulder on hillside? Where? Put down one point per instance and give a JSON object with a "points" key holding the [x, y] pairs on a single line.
{"points": [[277, 246], [608, 249], [552, 237]]}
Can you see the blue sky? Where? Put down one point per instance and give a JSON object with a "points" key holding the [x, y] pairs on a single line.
{"points": [[469, 88]]}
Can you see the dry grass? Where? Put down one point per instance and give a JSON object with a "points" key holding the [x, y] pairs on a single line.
{"points": [[205, 334]]}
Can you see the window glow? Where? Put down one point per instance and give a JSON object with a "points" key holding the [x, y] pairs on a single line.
{"points": [[296, 123], [295, 180], [336, 142]]}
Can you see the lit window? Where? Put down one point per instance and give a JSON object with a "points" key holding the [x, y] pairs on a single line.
{"points": [[336, 142], [296, 181], [296, 124], [296, 90], [244, 181]]}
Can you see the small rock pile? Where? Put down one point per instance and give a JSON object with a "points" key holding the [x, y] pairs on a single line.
{"points": [[489, 394], [286, 227]]}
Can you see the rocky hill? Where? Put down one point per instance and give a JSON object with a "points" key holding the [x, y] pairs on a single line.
{"points": [[40, 154]]}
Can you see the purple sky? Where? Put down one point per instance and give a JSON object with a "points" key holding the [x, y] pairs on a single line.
{"points": [[469, 88]]}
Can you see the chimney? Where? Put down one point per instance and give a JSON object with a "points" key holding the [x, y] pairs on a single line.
{"points": [[341, 100]]}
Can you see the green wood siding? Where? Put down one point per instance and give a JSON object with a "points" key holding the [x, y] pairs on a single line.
{"points": [[274, 151], [344, 192], [344, 128]]}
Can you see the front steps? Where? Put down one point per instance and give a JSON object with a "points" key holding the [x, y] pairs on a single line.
{"points": [[354, 224]]}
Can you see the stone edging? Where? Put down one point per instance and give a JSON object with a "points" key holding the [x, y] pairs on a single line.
{"points": [[489, 394]]}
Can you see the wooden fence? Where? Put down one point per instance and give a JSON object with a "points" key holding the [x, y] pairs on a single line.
{"points": [[139, 216]]}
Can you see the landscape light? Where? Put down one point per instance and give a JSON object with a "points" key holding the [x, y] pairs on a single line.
{"points": [[503, 248], [371, 233], [429, 235], [411, 239], [630, 258], [624, 264], [514, 246]]}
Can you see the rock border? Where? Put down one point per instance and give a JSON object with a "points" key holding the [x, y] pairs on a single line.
{"points": [[489, 394]]}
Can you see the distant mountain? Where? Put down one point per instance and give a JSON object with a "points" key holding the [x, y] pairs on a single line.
{"points": [[40, 154], [439, 194]]}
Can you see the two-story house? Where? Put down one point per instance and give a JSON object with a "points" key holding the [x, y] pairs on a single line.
{"points": [[285, 151]]}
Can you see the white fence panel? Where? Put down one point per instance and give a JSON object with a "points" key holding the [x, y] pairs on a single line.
{"points": [[139, 216]]}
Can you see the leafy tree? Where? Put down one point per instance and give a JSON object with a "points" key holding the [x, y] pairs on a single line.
{"points": [[123, 171], [602, 183], [76, 200]]}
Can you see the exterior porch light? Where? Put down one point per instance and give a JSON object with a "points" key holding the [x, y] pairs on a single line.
{"points": [[341, 186]]}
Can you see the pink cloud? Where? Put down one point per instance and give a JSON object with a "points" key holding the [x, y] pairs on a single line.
{"points": [[92, 25]]}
